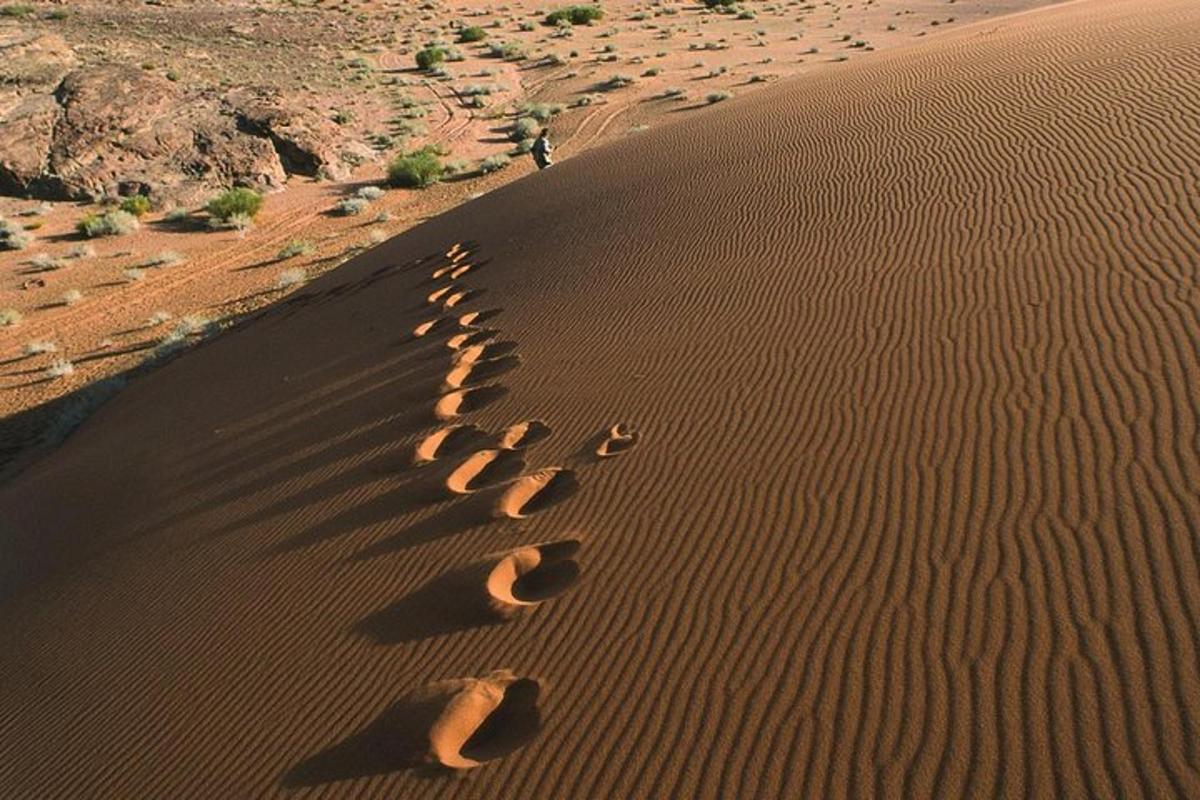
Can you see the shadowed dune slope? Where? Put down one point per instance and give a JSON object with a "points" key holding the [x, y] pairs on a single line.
{"points": [[912, 347]]}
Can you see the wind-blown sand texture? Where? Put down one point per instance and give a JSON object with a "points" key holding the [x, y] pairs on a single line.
{"points": [[913, 350]]}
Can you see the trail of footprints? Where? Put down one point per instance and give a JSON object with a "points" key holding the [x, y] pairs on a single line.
{"points": [[484, 718]]}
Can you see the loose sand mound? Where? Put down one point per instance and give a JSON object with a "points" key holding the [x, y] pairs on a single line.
{"points": [[913, 348]]}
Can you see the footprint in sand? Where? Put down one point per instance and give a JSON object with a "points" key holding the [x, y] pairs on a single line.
{"points": [[473, 353], [523, 434], [536, 492], [483, 719], [460, 340], [476, 317], [445, 441], [463, 401], [459, 296], [438, 295], [620, 437], [485, 468], [477, 371], [459, 271], [453, 724], [531, 575], [430, 326], [454, 248]]}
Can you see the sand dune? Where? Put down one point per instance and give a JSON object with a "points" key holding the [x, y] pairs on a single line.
{"points": [[912, 348]]}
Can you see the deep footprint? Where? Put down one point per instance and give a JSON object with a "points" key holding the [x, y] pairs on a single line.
{"points": [[523, 434], [531, 575], [620, 438], [485, 468], [536, 492], [443, 441], [468, 338], [464, 401], [479, 371]]}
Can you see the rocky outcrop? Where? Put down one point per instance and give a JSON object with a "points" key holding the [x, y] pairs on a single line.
{"points": [[83, 133]]}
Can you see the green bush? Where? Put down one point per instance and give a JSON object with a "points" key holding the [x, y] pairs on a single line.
{"points": [[137, 205], [231, 203], [111, 223], [524, 128], [19, 10], [416, 170], [430, 57], [719, 3], [472, 34], [577, 15]]}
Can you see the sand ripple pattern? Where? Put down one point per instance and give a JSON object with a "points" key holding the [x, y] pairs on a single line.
{"points": [[914, 513]]}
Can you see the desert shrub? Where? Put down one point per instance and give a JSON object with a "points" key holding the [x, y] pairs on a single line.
{"points": [[617, 82], [290, 277], [524, 128], [494, 163], [369, 193], [416, 170], [167, 258], [474, 33], [351, 206], [16, 10], [9, 317], [60, 369], [673, 93], [509, 51], [716, 97], [134, 274], [113, 222], [650, 73], [746, 13], [377, 235], [541, 112], [137, 205], [296, 247], [237, 202], [158, 318], [71, 297], [430, 57], [13, 236], [719, 3], [40, 346], [576, 15], [458, 166], [82, 251], [176, 215], [44, 262]]}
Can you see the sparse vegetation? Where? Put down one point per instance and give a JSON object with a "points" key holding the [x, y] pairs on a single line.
{"points": [[524, 128], [369, 193], [71, 297], [13, 236], [40, 346], [232, 205], [575, 15], [291, 277], [113, 222], [351, 206], [716, 97], [494, 163], [82, 251], [167, 258], [60, 369], [10, 317], [430, 57], [416, 170], [296, 247], [473, 33], [137, 205], [18, 10]]}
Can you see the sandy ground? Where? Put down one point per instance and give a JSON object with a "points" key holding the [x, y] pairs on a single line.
{"points": [[361, 65], [864, 467]]}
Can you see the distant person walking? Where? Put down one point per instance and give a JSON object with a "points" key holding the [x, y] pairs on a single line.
{"points": [[541, 149]]}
